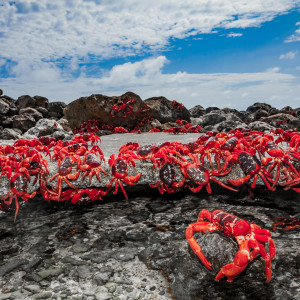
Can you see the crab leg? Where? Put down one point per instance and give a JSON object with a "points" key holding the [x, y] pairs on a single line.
{"points": [[199, 226], [239, 264]]}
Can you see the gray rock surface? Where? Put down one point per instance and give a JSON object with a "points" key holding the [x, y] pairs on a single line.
{"points": [[136, 249]]}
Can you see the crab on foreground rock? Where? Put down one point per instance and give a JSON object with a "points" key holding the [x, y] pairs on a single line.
{"points": [[247, 236]]}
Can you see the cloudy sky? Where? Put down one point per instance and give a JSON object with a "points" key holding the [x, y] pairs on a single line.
{"points": [[225, 53]]}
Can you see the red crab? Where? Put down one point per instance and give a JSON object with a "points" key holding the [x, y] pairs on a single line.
{"points": [[251, 166], [18, 187], [199, 176], [64, 169], [119, 169], [286, 223], [91, 165], [279, 156], [166, 179], [247, 236]]}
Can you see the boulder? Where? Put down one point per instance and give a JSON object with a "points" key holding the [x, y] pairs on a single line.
{"points": [[261, 126], [197, 111], [44, 127], [31, 111], [256, 106], [257, 115], [212, 118], [1, 92], [23, 122], [210, 109], [56, 109], [4, 107], [163, 110], [65, 124], [9, 134], [100, 106], [41, 101], [43, 111], [28, 101]]}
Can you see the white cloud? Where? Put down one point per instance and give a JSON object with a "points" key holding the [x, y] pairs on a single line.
{"points": [[145, 77], [48, 30], [288, 55], [232, 34], [294, 37]]}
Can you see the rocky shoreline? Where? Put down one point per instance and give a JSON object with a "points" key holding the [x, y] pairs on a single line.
{"points": [[34, 117], [136, 248]]}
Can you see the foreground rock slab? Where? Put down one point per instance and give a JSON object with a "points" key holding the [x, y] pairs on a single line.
{"points": [[136, 249]]}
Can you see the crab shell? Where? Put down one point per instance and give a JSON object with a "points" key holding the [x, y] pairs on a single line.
{"points": [[167, 174], [249, 163], [119, 168]]}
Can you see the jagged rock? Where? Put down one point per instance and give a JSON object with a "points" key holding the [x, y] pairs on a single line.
{"points": [[212, 118], [286, 110], [155, 124], [274, 111], [23, 122], [61, 135], [258, 114], [4, 107], [197, 111], [6, 122], [56, 109], [44, 127], [41, 101], [25, 101], [9, 134], [43, 111], [211, 108], [31, 111], [28, 101], [256, 106], [239, 114], [296, 112], [1, 92], [65, 124], [100, 106], [162, 109], [260, 126], [288, 118], [231, 122]]}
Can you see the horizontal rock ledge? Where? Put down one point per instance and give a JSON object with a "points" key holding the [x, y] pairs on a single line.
{"points": [[110, 144]]}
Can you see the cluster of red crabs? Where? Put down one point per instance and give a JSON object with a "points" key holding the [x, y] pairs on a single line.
{"points": [[124, 109], [274, 157]]}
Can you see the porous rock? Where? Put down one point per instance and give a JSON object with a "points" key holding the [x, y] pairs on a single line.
{"points": [[162, 109], [100, 106], [9, 133], [23, 122], [44, 127], [56, 109], [256, 106], [31, 111], [4, 107], [197, 111]]}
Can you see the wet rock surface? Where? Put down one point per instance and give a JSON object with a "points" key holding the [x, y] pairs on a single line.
{"points": [[136, 249]]}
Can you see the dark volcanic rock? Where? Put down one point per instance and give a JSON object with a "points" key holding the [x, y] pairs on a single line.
{"points": [[100, 106], [256, 106], [32, 112], [162, 109], [197, 111], [23, 122], [56, 109], [4, 107], [210, 109], [9, 133]]}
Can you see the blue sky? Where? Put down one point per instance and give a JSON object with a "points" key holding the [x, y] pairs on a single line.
{"points": [[225, 53]]}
